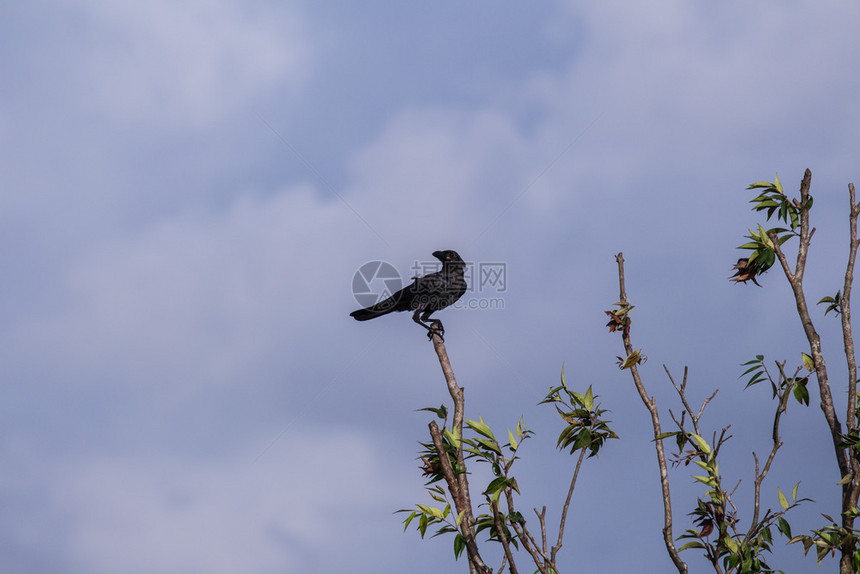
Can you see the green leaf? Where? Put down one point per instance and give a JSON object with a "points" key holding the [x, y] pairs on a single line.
{"points": [[783, 501], [632, 359], [808, 363], [481, 427], [496, 485], [441, 412], [701, 443], [459, 545], [436, 497], [801, 393], [783, 526], [453, 437], [691, 544], [794, 492], [588, 401], [436, 513], [706, 480], [731, 544], [512, 440], [777, 184], [490, 445]]}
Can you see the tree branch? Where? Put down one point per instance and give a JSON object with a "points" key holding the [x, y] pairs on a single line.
{"points": [[503, 538], [650, 404], [795, 280], [557, 547], [461, 495], [784, 396], [528, 541]]}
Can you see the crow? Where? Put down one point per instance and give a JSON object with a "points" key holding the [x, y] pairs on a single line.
{"points": [[425, 295]]}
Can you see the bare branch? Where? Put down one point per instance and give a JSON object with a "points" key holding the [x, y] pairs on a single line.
{"points": [[542, 518], [528, 541], [784, 394], [683, 395], [503, 538], [650, 404], [853, 489], [561, 523]]}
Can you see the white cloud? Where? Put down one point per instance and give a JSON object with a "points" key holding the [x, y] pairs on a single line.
{"points": [[159, 514], [200, 298], [189, 63], [438, 174]]}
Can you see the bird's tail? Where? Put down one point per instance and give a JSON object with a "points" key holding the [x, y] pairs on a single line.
{"points": [[371, 312]]}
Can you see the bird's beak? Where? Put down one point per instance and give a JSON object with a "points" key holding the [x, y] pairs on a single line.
{"points": [[438, 255]]}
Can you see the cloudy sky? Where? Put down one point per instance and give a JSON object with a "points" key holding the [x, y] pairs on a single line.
{"points": [[187, 189]]}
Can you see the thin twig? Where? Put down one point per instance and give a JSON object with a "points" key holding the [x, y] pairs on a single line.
{"points": [[784, 393], [503, 538], [542, 518], [528, 541], [561, 523]]}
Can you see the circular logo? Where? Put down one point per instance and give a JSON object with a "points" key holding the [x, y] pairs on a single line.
{"points": [[375, 281]]}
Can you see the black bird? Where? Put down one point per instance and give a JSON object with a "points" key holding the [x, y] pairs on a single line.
{"points": [[425, 295]]}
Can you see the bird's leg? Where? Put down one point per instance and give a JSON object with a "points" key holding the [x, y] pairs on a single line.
{"points": [[417, 318], [435, 326]]}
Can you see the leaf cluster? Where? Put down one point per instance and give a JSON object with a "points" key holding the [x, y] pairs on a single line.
{"points": [[619, 319], [773, 201], [757, 371], [586, 429], [833, 303], [716, 519], [830, 538]]}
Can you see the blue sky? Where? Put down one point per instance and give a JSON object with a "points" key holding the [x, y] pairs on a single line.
{"points": [[186, 190]]}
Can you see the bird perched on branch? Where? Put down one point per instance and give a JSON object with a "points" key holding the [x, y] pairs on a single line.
{"points": [[425, 295]]}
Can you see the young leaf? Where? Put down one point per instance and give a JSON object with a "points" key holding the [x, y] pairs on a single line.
{"points": [[783, 526], [633, 358], [801, 393], [512, 439], [783, 501], [588, 401], [481, 427], [701, 443], [459, 545]]}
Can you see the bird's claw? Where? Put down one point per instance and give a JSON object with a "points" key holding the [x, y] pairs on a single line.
{"points": [[436, 328]]}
